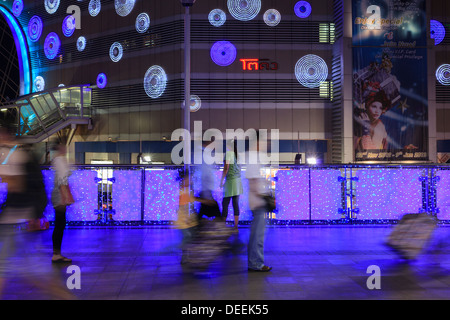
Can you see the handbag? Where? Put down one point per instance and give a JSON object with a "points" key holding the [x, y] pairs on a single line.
{"points": [[270, 202], [66, 195]]}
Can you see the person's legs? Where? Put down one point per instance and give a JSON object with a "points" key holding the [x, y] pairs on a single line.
{"points": [[236, 210], [256, 241], [58, 232], [225, 204]]}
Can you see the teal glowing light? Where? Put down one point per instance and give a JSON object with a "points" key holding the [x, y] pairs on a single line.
{"points": [[20, 41]]}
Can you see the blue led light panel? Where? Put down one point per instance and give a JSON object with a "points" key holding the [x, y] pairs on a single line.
{"points": [[388, 193]]}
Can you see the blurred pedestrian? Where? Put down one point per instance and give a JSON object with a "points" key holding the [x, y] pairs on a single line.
{"points": [[257, 189], [232, 185], [61, 198]]}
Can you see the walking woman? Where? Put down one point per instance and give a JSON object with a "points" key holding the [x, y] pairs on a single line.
{"points": [[232, 185], [61, 198]]}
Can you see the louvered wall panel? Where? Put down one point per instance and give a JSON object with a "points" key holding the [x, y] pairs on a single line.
{"points": [[211, 90], [336, 75], [442, 93]]}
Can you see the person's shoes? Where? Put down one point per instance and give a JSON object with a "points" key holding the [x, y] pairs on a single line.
{"points": [[57, 258], [263, 269]]}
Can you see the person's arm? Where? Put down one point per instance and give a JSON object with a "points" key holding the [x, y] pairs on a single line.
{"points": [[224, 173]]}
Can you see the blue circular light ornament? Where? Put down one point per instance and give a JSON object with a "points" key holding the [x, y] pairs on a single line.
{"points": [[39, 84], [94, 7], [17, 7], [311, 71], [52, 45], [217, 17], [142, 22], [101, 80], [302, 9], [443, 74], [116, 52], [81, 43], [51, 5], [68, 26], [272, 17], [437, 31], [124, 7], [155, 81], [35, 27], [244, 10], [223, 53]]}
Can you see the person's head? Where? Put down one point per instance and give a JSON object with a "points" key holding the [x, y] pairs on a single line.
{"points": [[376, 105], [6, 135], [59, 148]]}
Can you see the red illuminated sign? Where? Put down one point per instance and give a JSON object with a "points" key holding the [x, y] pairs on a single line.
{"points": [[258, 64]]}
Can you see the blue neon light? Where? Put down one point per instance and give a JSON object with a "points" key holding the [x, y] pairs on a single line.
{"points": [[35, 28], [302, 9], [101, 80], [223, 53], [17, 7], [437, 31], [22, 50], [52, 45]]}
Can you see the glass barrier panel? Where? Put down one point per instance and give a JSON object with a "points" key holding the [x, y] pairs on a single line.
{"points": [[326, 194], [443, 194], [292, 194], [126, 195], [388, 193]]}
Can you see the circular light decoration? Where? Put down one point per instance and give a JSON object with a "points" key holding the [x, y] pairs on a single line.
{"points": [[39, 84], [68, 26], [94, 7], [52, 45], [124, 7], [223, 53], [443, 74], [437, 31], [302, 9], [81, 43], [17, 7], [142, 22], [155, 81], [195, 103], [61, 85], [272, 17], [244, 10], [35, 28], [116, 52], [311, 71], [51, 5], [217, 17], [101, 80]]}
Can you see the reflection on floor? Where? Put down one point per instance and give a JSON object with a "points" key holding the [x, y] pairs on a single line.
{"points": [[323, 262]]}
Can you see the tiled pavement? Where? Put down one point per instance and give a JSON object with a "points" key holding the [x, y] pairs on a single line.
{"points": [[309, 262]]}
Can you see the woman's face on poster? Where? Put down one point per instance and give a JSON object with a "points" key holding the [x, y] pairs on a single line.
{"points": [[375, 110]]}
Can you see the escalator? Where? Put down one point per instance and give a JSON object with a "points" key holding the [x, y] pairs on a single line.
{"points": [[44, 113]]}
